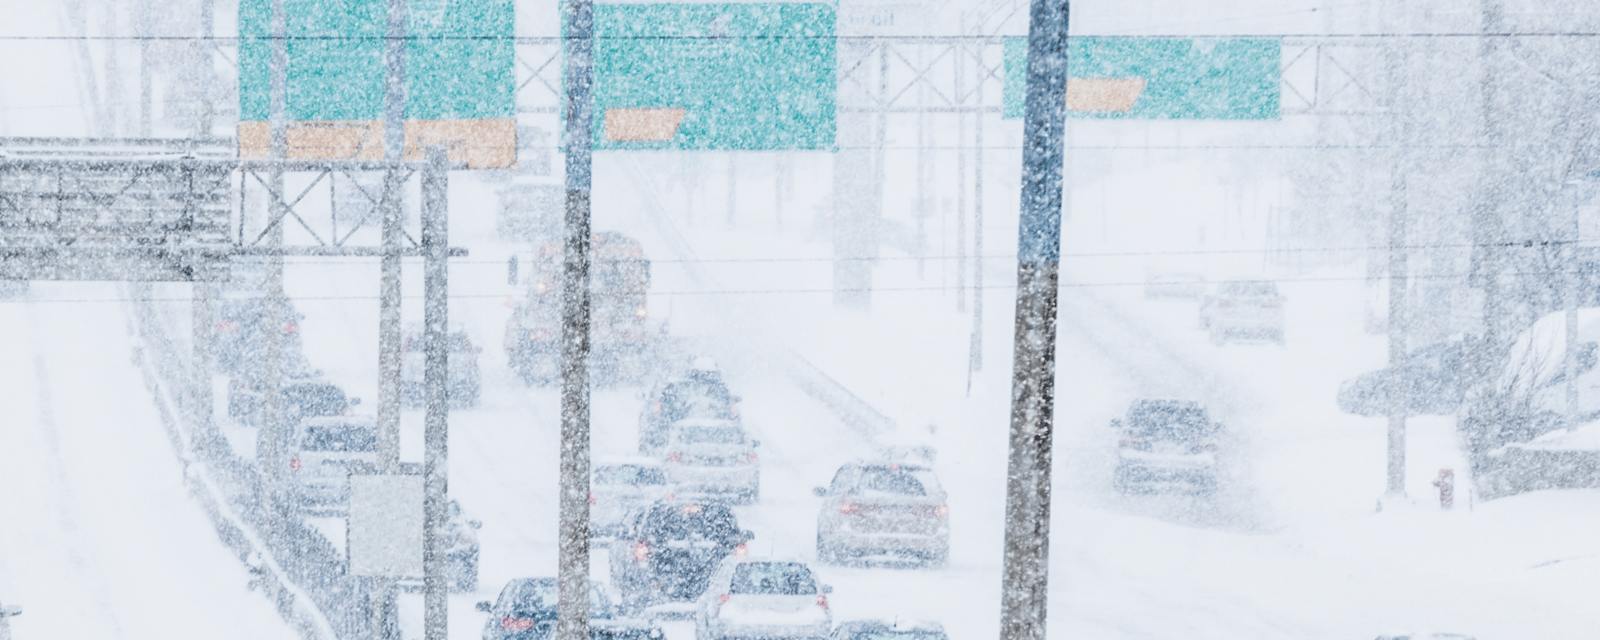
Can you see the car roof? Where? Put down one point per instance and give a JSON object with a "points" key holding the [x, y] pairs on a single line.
{"points": [[898, 465], [1167, 402], [618, 461], [361, 420], [707, 422], [896, 624]]}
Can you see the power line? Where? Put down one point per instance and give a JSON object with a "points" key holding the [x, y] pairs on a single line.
{"points": [[552, 40]]}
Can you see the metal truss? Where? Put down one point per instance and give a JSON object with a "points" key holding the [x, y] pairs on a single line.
{"points": [[1334, 77]]}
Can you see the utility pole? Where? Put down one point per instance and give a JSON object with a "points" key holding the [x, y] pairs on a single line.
{"points": [[573, 534], [1397, 391], [270, 440], [435, 381], [1024, 584], [207, 33], [1486, 215], [384, 609], [203, 293], [975, 354], [961, 182]]}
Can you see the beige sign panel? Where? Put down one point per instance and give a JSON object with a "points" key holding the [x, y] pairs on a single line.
{"points": [[1103, 94], [481, 144], [643, 124]]}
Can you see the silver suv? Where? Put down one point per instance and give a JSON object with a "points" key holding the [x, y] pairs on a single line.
{"points": [[875, 509]]}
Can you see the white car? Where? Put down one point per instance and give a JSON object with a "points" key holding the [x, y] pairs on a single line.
{"points": [[620, 485], [714, 459], [1248, 309], [763, 598]]}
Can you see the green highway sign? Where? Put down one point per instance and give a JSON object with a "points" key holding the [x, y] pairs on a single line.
{"points": [[735, 76], [460, 83], [1159, 78]]}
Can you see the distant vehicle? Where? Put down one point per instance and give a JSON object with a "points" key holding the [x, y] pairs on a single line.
{"points": [[1250, 309], [896, 629], [239, 340], [460, 538], [713, 458], [619, 486], [623, 339], [463, 381], [1436, 376], [698, 392], [322, 453], [883, 509], [1166, 445], [763, 598], [1174, 285], [670, 548], [526, 610], [302, 398]]}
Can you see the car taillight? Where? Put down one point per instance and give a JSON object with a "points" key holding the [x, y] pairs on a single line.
{"points": [[290, 327], [721, 600], [750, 458], [641, 552], [294, 464], [941, 510], [822, 601], [849, 508], [674, 457], [539, 334], [516, 624], [591, 498], [225, 326], [641, 313], [656, 408], [1130, 440], [1205, 446], [741, 551]]}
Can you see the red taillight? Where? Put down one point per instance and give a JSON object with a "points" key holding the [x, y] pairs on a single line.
{"points": [[641, 552], [290, 327], [591, 498], [941, 510], [822, 601], [849, 508], [750, 457], [740, 552], [539, 334], [294, 463], [1130, 440], [1205, 446], [225, 326], [674, 457], [516, 624], [656, 408]]}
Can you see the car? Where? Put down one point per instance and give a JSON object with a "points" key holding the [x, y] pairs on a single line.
{"points": [[323, 451], [526, 610], [302, 398], [618, 486], [714, 459], [463, 387], [1250, 309], [460, 538], [669, 548], [238, 341], [874, 509], [897, 629], [763, 598], [697, 393], [1165, 445]]}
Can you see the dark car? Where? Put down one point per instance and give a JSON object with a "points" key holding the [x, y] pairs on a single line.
{"points": [[1166, 445], [462, 386], [526, 610], [303, 398], [239, 341], [669, 549], [460, 537], [896, 629], [698, 393]]}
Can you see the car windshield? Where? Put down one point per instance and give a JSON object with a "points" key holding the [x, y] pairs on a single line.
{"points": [[895, 479], [710, 435], [773, 578], [535, 599], [685, 521], [1250, 289], [1168, 420], [339, 438], [316, 399], [629, 474], [684, 390]]}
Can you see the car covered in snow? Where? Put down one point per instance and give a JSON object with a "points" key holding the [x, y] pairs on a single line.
{"points": [[462, 386], [712, 459], [763, 598], [896, 629], [325, 448], [527, 610], [1166, 445], [1436, 378], [698, 392], [891, 510], [669, 549], [618, 486], [460, 537], [1247, 309]]}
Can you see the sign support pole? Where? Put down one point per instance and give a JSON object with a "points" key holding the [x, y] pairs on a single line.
{"points": [[383, 598], [573, 529], [1024, 584], [435, 468], [271, 440]]}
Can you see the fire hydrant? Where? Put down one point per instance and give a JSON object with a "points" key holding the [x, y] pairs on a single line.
{"points": [[1447, 488]]}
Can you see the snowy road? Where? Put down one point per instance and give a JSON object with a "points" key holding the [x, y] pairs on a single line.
{"points": [[99, 536]]}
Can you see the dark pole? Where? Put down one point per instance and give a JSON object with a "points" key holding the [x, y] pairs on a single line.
{"points": [[1399, 402], [573, 535], [1024, 584], [383, 601], [435, 380], [270, 440]]}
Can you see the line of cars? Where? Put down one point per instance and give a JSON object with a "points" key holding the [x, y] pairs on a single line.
{"points": [[675, 548]]}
